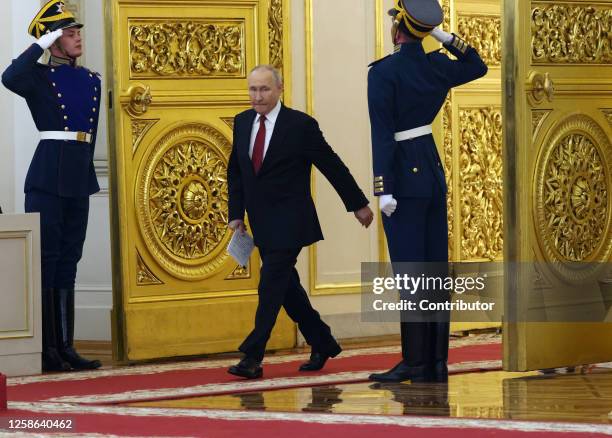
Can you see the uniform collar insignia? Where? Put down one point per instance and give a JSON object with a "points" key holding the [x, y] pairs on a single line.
{"points": [[56, 60]]}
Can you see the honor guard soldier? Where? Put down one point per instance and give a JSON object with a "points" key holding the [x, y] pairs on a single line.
{"points": [[405, 92], [64, 100]]}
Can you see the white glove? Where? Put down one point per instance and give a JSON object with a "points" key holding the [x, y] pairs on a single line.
{"points": [[442, 36], [48, 39], [387, 204]]}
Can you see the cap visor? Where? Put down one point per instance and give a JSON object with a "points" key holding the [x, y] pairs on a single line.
{"points": [[69, 25]]}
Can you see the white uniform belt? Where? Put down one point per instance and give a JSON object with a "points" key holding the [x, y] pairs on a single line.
{"points": [[66, 135], [413, 133]]}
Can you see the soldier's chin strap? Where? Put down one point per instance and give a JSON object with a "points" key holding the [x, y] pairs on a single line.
{"points": [[397, 19], [59, 46]]}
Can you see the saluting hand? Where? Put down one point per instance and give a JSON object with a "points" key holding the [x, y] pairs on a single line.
{"points": [[364, 216], [48, 39], [442, 36]]}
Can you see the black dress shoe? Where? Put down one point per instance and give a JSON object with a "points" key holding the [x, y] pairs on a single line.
{"points": [[317, 359], [315, 363], [402, 372], [248, 368], [78, 362], [52, 361]]}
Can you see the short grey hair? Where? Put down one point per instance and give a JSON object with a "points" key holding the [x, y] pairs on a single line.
{"points": [[278, 77]]}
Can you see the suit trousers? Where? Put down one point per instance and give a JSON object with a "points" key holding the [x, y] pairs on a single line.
{"points": [[279, 286], [418, 232], [63, 226]]}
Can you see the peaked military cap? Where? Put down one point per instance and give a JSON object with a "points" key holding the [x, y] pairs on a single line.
{"points": [[52, 16], [419, 17]]}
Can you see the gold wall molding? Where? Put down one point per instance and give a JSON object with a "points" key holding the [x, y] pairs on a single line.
{"points": [[572, 199], [446, 9], [569, 33], [187, 48], [275, 33], [484, 34], [537, 120], [240, 273], [181, 200], [140, 127], [144, 275], [481, 183], [608, 113], [447, 118], [229, 121]]}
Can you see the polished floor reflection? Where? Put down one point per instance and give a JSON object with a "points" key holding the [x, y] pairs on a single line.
{"points": [[571, 397]]}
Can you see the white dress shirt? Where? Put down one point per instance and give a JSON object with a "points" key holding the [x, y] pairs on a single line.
{"points": [[270, 122]]}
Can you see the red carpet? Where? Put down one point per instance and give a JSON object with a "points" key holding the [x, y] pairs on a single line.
{"points": [[204, 427], [186, 378], [94, 407]]}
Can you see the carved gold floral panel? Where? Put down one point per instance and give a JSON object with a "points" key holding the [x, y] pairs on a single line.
{"points": [[537, 119], [144, 276], [608, 113], [484, 33], [481, 183], [447, 13], [181, 200], [572, 202], [187, 48], [240, 273], [140, 127], [275, 33], [447, 114], [571, 33]]}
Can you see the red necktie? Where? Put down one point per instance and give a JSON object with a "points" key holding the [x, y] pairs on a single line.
{"points": [[258, 147]]}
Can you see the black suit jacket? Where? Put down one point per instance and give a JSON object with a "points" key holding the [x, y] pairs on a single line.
{"points": [[278, 199]]}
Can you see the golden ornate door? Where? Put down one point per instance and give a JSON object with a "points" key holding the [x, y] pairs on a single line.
{"points": [[179, 72], [557, 78]]}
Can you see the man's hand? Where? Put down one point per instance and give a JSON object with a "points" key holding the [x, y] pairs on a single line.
{"points": [[237, 225], [364, 216], [442, 36], [48, 39], [387, 204]]}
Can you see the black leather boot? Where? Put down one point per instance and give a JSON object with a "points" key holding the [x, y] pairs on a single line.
{"points": [[415, 353], [64, 313], [439, 357], [51, 359]]}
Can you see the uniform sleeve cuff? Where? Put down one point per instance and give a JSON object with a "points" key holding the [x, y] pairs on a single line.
{"points": [[382, 186], [458, 44]]}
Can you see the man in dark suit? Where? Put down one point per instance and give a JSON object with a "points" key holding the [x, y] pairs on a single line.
{"points": [[405, 92], [269, 177], [64, 100]]}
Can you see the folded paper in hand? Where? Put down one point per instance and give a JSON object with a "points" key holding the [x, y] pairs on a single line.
{"points": [[240, 247]]}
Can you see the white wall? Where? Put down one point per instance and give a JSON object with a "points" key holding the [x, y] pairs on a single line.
{"points": [[25, 134], [94, 279], [7, 166]]}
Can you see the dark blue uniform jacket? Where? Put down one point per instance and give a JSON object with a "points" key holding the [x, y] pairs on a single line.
{"points": [[60, 98], [405, 91]]}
